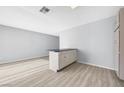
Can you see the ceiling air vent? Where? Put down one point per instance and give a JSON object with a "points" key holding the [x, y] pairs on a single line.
{"points": [[44, 10]]}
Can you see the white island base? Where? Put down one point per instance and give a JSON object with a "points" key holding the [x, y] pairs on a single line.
{"points": [[58, 59]]}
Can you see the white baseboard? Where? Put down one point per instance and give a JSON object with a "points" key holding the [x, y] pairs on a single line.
{"points": [[96, 65], [24, 59]]}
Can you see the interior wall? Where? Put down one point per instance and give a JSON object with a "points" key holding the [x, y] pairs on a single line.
{"points": [[94, 41], [18, 44]]}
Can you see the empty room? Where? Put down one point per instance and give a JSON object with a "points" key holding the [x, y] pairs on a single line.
{"points": [[61, 46]]}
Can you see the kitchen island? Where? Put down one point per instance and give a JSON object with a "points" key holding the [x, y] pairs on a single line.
{"points": [[61, 58]]}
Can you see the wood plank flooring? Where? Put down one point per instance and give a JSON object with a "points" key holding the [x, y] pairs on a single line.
{"points": [[35, 73]]}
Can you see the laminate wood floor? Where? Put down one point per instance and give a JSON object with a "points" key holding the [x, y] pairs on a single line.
{"points": [[35, 73]]}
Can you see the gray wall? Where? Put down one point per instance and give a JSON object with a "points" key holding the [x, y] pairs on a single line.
{"points": [[17, 44], [94, 41]]}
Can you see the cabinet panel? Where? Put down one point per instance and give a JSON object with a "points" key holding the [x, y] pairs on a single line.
{"points": [[59, 60], [63, 60]]}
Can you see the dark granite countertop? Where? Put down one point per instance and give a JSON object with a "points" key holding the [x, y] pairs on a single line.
{"points": [[60, 50]]}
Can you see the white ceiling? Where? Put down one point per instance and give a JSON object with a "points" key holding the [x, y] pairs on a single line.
{"points": [[58, 19]]}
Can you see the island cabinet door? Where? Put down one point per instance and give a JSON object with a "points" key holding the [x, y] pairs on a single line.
{"points": [[72, 56], [63, 59], [67, 57]]}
